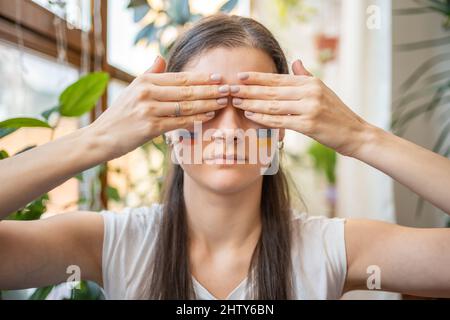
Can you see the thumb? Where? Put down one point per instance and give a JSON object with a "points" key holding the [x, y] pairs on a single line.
{"points": [[299, 69], [158, 66]]}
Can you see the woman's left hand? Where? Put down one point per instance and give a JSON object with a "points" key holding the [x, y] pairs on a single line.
{"points": [[302, 103]]}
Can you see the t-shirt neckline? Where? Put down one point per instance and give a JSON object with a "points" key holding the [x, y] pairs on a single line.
{"points": [[204, 293]]}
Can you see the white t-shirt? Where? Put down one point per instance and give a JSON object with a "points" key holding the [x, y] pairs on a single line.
{"points": [[318, 255]]}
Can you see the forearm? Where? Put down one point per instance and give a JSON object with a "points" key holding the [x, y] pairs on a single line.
{"points": [[424, 172], [28, 175]]}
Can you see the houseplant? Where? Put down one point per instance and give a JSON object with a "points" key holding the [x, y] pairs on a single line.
{"points": [[76, 100]]}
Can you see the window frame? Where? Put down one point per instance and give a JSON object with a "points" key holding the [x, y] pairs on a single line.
{"points": [[37, 32]]}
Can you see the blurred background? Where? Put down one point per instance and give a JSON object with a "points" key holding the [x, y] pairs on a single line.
{"points": [[388, 60]]}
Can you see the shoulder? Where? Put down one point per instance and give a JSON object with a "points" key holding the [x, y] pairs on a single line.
{"points": [[319, 228], [319, 250], [128, 242], [132, 220]]}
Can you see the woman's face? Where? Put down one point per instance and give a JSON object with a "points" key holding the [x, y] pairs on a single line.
{"points": [[229, 134]]}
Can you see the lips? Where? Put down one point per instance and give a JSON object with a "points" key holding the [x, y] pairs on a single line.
{"points": [[232, 156]]}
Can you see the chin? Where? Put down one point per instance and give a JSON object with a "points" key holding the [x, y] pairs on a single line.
{"points": [[224, 178]]}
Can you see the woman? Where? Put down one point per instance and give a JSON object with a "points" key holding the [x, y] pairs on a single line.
{"points": [[224, 231]]}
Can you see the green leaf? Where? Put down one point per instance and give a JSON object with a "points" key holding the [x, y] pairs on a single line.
{"points": [[410, 11], [41, 293], [424, 44], [165, 50], [16, 123], [10, 125], [402, 102], [112, 193], [136, 3], [88, 291], [3, 154], [33, 211], [445, 132], [228, 6], [25, 149], [5, 132], [423, 69], [140, 7], [47, 113], [161, 145], [149, 33], [81, 96], [179, 11], [195, 17], [399, 123], [79, 177], [324, 160]]}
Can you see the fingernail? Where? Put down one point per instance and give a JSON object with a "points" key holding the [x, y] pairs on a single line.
{"points": [[249, 113], [243, 76], [210, 114], [156, 60], [224, 89], [215, 77], [222, 101], [234, 89], [237, 101]]}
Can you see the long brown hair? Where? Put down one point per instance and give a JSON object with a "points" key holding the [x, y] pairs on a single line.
{"points": [[270, 267]]}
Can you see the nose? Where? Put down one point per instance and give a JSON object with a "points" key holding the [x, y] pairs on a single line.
{"points": [[227, 122]]}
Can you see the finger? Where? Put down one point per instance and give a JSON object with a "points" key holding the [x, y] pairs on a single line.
{"points": [[163, 109], [188, 93], [276, 107], [183, 78], [271, 79], [158, 66], [270, 93], [274, 121], [186, 122], [299, 69]]}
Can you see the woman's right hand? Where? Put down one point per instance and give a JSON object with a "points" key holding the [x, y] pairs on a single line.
{"points": [[146, 108]]}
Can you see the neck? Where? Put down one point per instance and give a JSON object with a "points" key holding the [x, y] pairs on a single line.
{"points": [[223, 220]]}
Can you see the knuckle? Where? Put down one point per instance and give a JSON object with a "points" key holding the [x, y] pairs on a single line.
{"points": [[274, 107], [308, 126], [187, 107], [272, 93], [187, 93], [316, 89], [316, 81], [144, 93], [272, 121], [212, 91], [315, 106], [153, 126], [275, 79], [151, 109], [183, 122], [182, 78]]}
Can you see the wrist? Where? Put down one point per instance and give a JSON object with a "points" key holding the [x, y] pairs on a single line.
{"points": [[370, 139], [96, 143]]}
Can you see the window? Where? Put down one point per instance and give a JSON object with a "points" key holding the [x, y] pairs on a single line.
{"points": [[28, 93], [39, 38]]}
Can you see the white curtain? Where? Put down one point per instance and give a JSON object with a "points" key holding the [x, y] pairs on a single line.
{"points": [[365, 73]]}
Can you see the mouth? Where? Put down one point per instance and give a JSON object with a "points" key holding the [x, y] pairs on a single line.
{"points": [[222, 157]]}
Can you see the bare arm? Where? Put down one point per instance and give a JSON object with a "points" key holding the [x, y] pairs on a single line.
{"points": [[424, 172], [28, 175], [305, 104], [38, 253], [410, 260]]}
